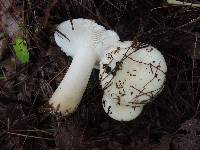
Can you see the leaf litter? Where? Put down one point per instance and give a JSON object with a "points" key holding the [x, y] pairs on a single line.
{"points": [[170, 122]]}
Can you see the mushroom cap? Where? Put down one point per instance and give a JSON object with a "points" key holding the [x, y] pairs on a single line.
{"points": [[131, 77], [81, 33], [120, 112]]}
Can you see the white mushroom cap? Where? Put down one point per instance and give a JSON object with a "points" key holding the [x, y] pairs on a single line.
{"points": [[131, 77], [120, 112], [84, 33], [86, 42]]}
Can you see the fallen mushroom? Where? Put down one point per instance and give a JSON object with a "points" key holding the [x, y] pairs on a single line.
{"points": [[130, 77], [86, 42]]}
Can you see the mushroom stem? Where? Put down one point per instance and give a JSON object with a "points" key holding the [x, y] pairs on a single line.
{"points": [[70, 91]]}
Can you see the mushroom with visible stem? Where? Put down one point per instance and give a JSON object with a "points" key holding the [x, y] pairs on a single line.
{"points": [[130, 77], [86, 42]]}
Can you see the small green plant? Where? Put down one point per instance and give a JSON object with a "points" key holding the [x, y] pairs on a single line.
{"points": [[21, 50]]}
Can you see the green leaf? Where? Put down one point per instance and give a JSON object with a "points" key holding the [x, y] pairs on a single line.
{"points": [[21, 50]]}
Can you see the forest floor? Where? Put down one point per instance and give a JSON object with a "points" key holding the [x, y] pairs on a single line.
{"points": [[170, 122]]}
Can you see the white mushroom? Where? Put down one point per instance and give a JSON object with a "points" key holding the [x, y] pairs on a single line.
{"points": [[130, 77], [86, 42]]}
